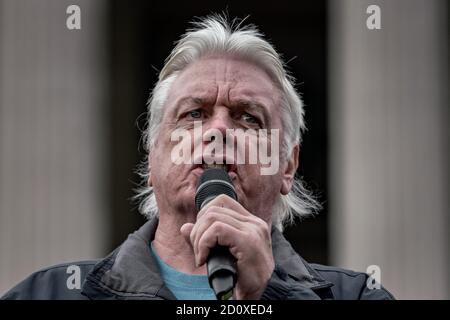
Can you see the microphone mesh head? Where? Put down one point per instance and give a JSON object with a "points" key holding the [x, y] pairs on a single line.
{"points": [[212, 183]]}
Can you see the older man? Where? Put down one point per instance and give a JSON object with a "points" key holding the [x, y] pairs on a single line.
{"points": [[229, 81]]}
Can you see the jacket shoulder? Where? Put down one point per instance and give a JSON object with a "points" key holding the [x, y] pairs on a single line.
{"points": [[61, 281], [351, 285]]}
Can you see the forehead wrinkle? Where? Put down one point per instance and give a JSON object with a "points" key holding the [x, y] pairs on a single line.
{"points": [[201, 98], [207, 88]]}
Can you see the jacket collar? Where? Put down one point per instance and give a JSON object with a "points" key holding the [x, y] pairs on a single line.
{"points": [[295, 266], [131, 272]]}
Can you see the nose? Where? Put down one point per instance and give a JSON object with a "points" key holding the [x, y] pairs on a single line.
{"points": [[220, 120]]}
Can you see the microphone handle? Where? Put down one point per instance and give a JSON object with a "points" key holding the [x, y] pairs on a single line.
{"points": [[221, 272]]}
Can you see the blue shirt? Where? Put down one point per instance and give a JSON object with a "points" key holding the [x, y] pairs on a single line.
{"points": [[184, 286]]}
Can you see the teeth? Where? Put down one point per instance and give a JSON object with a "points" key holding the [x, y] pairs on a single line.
{"points": [[214, 165]]}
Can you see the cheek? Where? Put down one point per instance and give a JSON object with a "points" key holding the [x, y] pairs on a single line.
{"points": [[261, 192], [160, 167], [271, 186], [268, 198]]}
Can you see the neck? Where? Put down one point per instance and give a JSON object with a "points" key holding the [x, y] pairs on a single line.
{"points": [[172, 247]]}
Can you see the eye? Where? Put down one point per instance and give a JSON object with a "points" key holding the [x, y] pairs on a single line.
{"points": [[249, 118], [196, 114]]}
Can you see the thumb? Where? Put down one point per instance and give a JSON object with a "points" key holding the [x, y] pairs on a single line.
{"points": [[186, 231]]}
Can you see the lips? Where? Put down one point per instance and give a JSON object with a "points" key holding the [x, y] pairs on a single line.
{"points": [[228, 164], [215, 166]]}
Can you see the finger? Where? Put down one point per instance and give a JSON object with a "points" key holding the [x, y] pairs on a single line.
{"points": [[225, 202], [205, 216], [214, 214], [186, 230], [218, 234]]}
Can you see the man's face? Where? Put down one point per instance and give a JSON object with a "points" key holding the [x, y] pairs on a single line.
{"points": [[220, 93]]}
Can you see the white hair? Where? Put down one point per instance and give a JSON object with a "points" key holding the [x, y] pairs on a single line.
{"points": [[214, 35]]}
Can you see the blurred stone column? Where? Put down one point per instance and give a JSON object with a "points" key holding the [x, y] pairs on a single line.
{"points": [[389, 143], [53, 100]]}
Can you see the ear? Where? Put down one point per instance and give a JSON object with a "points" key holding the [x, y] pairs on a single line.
{"points": [[149, 181], [289, 171]]}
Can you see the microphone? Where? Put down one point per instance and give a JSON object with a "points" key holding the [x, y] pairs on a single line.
{"points": [[220, 263]]}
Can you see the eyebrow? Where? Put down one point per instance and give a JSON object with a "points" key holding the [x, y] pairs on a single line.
{"points": [[190, 101], [254, 105], [239, 103], [251, 104]]}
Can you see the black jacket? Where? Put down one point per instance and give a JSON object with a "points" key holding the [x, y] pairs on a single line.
{"points": [[130, 272]]}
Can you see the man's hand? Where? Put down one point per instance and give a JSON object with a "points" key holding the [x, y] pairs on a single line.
{"points": [[225, 222]]}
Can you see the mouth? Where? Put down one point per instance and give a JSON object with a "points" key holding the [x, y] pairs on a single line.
{"points": [[227, 164], [222, 166]]}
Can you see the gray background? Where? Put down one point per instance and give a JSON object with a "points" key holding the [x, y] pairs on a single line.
{"points": [[69, 142]]}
